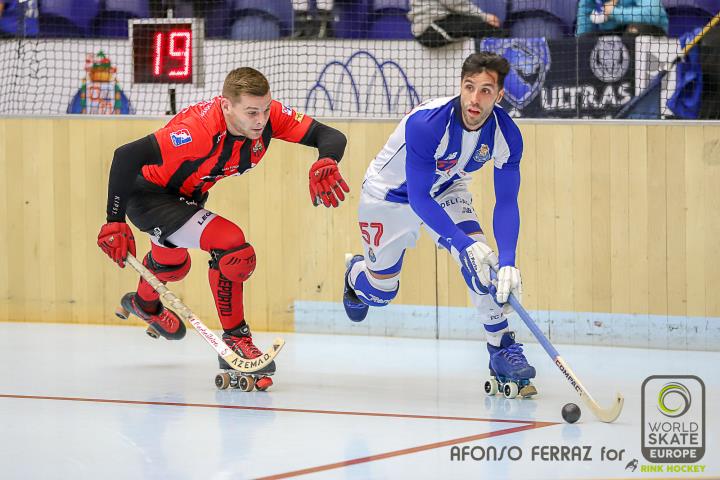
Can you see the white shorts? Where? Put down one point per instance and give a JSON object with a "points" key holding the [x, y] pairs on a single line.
{"points": [[388, 228]]}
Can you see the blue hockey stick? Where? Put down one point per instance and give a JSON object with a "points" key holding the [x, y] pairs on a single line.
{"points": [[607, 415]]}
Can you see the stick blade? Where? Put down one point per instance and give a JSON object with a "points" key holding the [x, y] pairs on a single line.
{"points": [[607, 415]]}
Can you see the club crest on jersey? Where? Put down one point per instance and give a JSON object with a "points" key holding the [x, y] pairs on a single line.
{"points": [[447, 163], [180, 137], [257, 147], [287, 110], [482, 154], [371, 255]]}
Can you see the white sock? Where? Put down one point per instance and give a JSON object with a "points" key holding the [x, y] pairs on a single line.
{"points": [[493, 338]]}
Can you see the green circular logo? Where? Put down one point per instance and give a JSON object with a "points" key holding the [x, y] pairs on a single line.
{"points": [[668, 394]]}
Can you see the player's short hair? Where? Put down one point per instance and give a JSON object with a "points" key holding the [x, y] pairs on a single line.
{"points": [[483, 61], [244, 80]]}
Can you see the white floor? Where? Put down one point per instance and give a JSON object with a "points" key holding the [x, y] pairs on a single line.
{"points": [[81, 402]]}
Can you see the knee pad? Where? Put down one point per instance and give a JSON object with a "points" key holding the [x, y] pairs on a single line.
{"points": [[371, 295], [236, 264], [167, 273]]}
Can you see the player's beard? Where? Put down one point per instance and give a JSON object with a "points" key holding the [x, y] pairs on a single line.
{"points": [[472, 122]]}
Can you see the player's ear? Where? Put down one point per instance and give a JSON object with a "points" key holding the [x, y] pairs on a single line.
{"points": [[225, 104], [501, 93]]}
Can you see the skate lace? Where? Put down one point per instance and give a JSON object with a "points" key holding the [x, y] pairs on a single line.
{"points": [[514, 354], [248, 348], [167, 320]]}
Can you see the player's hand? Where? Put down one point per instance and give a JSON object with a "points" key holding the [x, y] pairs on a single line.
{"points": [[477, 259], [508, 281], [492, 20], [116, 240], [326, 183]]}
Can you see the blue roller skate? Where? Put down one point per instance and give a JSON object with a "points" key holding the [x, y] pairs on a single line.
{"points": [[509, 369], [355, 309]]}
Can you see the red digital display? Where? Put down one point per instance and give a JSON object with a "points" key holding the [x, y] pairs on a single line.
{"points": [[162, 53]]}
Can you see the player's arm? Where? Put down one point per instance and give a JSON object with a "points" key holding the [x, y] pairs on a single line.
{"points": [[506, 216], [115, 237], [326, 183]]}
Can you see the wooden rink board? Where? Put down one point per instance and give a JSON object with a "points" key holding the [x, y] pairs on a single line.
{"points": [[615, 218]]}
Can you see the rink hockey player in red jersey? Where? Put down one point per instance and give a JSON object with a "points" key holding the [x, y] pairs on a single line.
{"points": [[161, 183]]}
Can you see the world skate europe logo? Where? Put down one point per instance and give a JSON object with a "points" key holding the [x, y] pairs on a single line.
{"points": [[673, 419]]}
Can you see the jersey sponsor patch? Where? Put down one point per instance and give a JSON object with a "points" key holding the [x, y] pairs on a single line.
{"points": [[446, 163], [299, 116], [180, 137], [287, 110]]}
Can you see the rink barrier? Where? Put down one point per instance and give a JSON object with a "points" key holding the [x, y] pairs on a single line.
{"points": [[617, 219]]}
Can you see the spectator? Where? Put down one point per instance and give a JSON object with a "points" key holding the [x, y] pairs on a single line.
{"points": [[634, 17], [436, 23], [18, 18]]}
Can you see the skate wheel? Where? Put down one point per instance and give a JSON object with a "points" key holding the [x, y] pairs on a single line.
{"points": [[246, 384], [510, 390], [152, 332], [491, 386], [222, 381], [120, 312], [263, 383]]}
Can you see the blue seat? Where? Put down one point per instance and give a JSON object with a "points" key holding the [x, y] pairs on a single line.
{"points": [[496, 7], [67, 18], [261, 19], [351, 18], [686, 15], [542, 18], [218, 17], [389, 20], [14, 21], [112, 21]]}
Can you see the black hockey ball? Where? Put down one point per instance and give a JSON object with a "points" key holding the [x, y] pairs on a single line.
{"points": [[571, 413]]}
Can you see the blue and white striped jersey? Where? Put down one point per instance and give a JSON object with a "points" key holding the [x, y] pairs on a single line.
{"points": [[430, 150]]}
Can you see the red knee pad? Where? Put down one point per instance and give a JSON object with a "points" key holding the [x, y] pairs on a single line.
{"points": [[167, 273], [236, 264]]}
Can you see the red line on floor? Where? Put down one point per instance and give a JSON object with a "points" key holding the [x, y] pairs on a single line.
{"points": [[272, 409], [407, 451]]}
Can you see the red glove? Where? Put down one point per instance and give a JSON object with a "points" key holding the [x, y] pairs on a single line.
{"points": [[326, 183], [116, 240]]}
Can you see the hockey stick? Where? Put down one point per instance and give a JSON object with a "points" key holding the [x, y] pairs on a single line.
{"points": [[607, 415], [171, 301], [655, 82]]}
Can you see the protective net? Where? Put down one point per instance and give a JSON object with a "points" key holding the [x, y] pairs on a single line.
{"points": [[361, 58]]}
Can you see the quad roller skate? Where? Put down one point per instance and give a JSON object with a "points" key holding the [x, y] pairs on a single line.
{"points": [[164, 323], [240, 340], [355, 309], [509, 370]]}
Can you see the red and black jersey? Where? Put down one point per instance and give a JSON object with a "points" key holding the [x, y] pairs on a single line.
{"points": [[197, 150]]}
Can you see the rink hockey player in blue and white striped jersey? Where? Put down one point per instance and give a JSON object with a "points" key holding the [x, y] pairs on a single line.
{"points": [[421, 177]]}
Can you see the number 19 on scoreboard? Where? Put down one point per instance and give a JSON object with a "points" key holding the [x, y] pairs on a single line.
{"points": [[167, 50]]}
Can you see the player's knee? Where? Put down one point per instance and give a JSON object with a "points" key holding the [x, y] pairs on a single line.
{"points": [[374, 291], [165, 272], [236, 264]]}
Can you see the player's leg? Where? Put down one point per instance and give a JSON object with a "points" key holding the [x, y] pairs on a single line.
{"points": [[232, 262], [507, 361], [373, 279]]}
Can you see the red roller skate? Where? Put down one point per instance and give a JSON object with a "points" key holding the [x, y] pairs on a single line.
{"points": [[240, 340], [164, 323]]}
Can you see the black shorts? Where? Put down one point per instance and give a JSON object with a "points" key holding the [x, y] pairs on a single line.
{"points": [[160, 212]]}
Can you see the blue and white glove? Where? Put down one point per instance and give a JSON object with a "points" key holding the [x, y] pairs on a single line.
{"points": [[477, 259]]}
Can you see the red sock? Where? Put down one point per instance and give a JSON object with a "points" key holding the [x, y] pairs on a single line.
{"points": [[147, 298], [222, 234]]}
